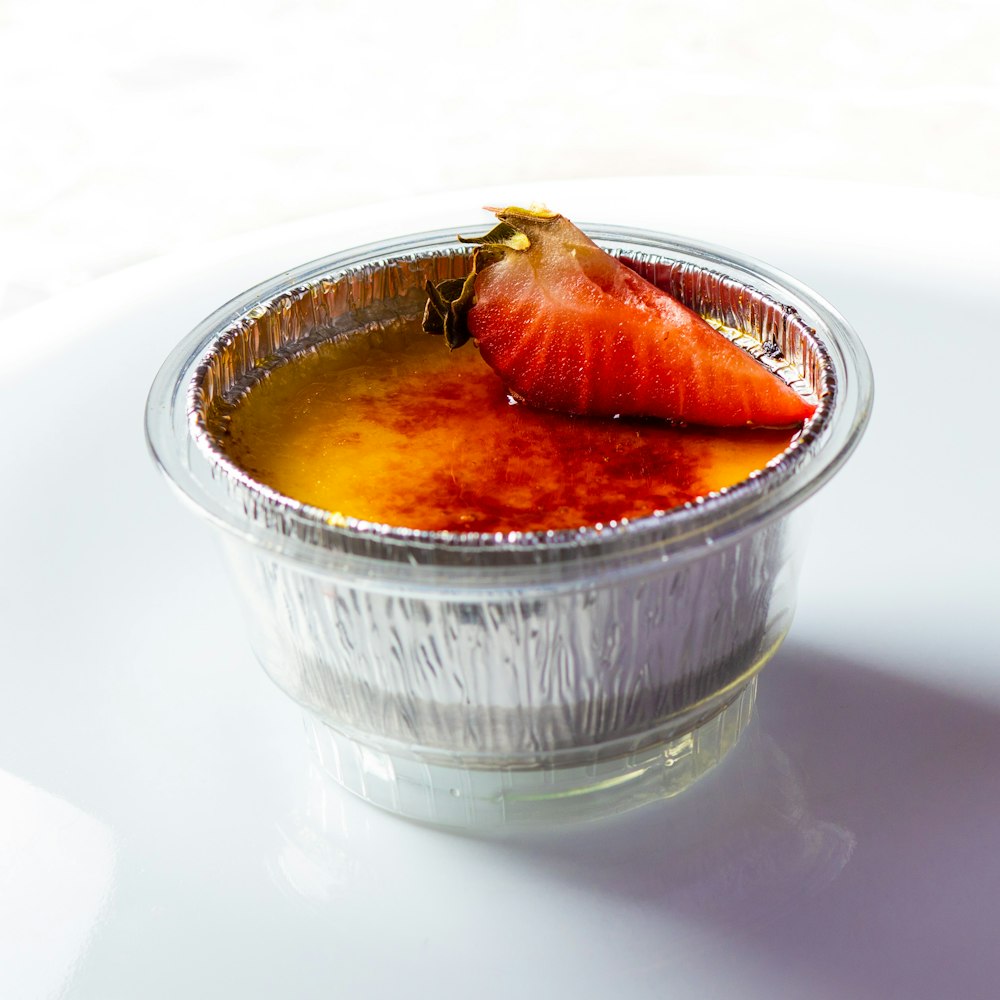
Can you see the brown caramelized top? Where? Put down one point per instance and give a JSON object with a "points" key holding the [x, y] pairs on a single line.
{"points": [[393, 428]]}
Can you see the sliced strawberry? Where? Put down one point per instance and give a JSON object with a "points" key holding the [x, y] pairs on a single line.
{"points": [[569, 328]]}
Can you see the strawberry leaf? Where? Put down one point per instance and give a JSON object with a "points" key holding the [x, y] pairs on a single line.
{"points": [[447, 306]]}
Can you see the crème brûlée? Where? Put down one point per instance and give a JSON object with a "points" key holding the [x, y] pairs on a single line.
{"points": [[387, 426]]}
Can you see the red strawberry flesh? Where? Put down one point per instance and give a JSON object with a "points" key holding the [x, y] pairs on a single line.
{"points": [[569, 328]]}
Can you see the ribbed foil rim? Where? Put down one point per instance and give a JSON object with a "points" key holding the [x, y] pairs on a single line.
{"points": [[737, 290]]}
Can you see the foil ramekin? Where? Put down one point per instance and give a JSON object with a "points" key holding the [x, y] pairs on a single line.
{"points": [[479, 679]]}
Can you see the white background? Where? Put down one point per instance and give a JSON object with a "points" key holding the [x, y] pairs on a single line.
{"points": [[133, 129]]}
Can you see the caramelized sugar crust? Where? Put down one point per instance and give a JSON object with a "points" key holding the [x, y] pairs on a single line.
{"points": [[393, 428]]}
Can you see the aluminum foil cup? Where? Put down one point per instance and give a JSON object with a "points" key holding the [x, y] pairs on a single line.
{"points": [[477, 679]]}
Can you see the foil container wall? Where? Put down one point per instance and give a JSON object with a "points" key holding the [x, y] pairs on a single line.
{"points": [[522, 675], [510, 651]]}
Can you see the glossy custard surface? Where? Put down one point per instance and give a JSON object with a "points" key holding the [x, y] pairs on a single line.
{"points": [[391, 427]]}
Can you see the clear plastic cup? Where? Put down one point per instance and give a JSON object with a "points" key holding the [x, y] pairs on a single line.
{"points": [[480, 680]]}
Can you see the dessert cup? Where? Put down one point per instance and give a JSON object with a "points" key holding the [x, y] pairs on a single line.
{"points": [[477, 680]]}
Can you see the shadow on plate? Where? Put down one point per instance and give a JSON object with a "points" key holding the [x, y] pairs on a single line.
{"points": [[852, 836]]}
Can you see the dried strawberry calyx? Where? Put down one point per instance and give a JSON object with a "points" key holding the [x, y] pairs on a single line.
{"points": [[449, 302], [447, 306]]}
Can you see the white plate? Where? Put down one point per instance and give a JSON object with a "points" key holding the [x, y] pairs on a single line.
{"points": [[163, 835]]}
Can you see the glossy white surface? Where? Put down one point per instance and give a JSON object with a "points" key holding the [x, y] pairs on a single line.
{"points": [[162, 833]]}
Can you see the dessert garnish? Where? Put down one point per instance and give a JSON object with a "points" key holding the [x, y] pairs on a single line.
{"points": [[569, 328]]}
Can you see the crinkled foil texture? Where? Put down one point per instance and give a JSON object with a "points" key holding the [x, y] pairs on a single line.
{"points": [[618, 642], [515, 676]]}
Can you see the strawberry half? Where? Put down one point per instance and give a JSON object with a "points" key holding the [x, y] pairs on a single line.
{"points": [[569, 328]]}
